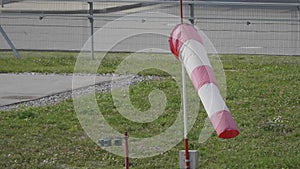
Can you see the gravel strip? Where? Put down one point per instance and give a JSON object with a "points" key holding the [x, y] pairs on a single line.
{"points": [[62, 96]]}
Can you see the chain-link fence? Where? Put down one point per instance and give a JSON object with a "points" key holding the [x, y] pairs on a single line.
{"points": [[233, 27]]}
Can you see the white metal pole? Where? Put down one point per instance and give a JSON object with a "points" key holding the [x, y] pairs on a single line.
{"points": [[184, 101], [185, 123]]}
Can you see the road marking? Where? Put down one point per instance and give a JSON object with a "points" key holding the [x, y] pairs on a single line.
{"points": [[250, 47]]}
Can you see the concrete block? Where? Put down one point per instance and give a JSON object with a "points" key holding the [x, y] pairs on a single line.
{"points": [[118, 141], [193, 155], [105, 142]]}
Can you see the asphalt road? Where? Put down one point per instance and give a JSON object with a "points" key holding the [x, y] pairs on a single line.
{"points": [[231, 29]]}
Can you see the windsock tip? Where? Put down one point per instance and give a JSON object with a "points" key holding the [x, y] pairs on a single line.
{"points": [[227, 134]]}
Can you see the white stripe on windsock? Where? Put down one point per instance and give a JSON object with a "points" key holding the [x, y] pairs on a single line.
{"points": [[187, 46], [211, 99], [193, 54]]}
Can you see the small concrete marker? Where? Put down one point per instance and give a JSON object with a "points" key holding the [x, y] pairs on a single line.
{"points": [[193, 156]]}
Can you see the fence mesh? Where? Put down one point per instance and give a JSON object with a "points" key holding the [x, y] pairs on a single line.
{"points": [[232, 28]]}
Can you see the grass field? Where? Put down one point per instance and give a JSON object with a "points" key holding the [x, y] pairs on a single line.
{"points": [[262, 93]]}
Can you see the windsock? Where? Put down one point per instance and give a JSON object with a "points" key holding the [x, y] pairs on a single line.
{"points": [[187, 46]]}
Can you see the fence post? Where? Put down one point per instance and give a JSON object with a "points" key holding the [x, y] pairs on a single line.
{"points": [[192, 13], [91, 18], [9, 43]]}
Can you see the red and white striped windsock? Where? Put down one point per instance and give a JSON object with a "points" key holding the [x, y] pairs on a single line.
{"points": [[187, 46]]}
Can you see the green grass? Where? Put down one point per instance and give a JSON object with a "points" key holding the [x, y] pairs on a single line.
{"points": [[50, 62], [62, 62], [53, 62], [262, 93]]}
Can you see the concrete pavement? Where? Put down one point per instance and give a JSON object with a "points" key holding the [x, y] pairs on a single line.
{"points": [[65, 7], [16, 88]]}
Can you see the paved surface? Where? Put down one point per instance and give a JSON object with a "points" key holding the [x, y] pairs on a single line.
{"points": [[23, 87], [65, 7]]}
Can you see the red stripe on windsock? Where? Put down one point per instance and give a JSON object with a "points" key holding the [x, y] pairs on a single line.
{"points": [[180, 34], [202, 75], [224, 124]]}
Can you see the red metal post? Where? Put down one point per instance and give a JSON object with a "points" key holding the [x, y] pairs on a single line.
{"points": [[181, 12], [187, 158], [126, 150]]}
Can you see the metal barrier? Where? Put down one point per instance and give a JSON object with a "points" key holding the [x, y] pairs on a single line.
{"points": [[233, 27]]}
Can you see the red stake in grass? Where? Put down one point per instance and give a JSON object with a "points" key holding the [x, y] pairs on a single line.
{"points": [[126, 150]]}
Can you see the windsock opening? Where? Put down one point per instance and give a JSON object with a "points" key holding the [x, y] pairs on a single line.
{"points": [[180, 34], [224, 124], [187, 46]]}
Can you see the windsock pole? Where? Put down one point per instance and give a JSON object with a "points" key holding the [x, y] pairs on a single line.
{"points": [[185, 124], [181, 12]]}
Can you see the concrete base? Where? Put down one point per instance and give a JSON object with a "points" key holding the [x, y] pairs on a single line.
{"points": [[193, 154]]}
